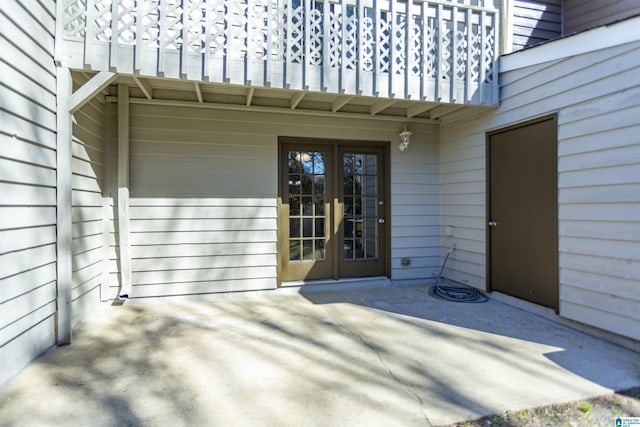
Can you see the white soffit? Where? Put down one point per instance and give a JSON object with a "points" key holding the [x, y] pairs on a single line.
{"points": [[607, 36]]}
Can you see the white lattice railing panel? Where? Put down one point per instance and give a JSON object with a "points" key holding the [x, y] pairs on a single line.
{"points": [[435, 50]]}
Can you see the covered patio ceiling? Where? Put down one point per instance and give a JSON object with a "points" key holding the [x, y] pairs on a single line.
{"points": [[172, 92]]}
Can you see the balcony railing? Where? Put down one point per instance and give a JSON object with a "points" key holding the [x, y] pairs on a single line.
{"points": [[441, 51]]}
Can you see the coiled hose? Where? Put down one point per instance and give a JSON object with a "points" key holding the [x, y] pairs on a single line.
{"points": [[455, 293]]}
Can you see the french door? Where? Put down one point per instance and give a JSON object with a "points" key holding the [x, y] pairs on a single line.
{"points": [[332, 210]]}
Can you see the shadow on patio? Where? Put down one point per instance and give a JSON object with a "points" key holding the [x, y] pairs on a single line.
{"points": [[376, 356]]}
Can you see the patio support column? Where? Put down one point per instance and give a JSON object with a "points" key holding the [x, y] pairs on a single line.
{"points": [[63, 206], [123, 190]]}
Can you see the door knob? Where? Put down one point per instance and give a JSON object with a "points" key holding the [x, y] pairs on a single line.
{"points": [[380, 220], [493, 223]]}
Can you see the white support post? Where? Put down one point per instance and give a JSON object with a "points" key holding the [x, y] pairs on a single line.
{"points": [[63, 206], [123, 190], [107, 204]]}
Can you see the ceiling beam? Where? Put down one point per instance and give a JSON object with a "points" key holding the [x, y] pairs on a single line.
{"points": [[90, 89], [414, 110], [440, 111], [296, 99], [277, 110], [381, 105], [340, 102], [196, 85], [144, 86], [250, 93]]}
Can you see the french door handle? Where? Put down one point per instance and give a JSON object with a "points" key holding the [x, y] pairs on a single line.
{"points": [[380, 220], [493, 223]]}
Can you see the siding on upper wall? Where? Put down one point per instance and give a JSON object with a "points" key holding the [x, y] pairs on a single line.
{"points": [[535, 22], [27, 183], [203, 193], [597, 99], [87, 187], [580, 15]]}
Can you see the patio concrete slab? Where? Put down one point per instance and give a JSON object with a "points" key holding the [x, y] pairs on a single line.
{"points": [[372, 356]]}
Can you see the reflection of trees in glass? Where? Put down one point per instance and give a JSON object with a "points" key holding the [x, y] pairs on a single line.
{"points": [[306, 162], [306, 205], [360, 205]]}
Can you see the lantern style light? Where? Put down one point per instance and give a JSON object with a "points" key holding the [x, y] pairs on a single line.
{"points": [[405, 136]]}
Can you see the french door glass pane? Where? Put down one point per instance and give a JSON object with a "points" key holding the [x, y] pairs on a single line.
{"points": [[307, 198], [360, 198]]}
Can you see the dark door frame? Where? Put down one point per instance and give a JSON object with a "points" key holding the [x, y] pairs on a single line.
{"points": [[554, 118], [337, 146]]}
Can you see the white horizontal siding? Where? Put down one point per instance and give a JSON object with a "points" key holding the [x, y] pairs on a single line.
{"points": [[580, 15], [87, 182], [203, 207], [596, 96], [415, 214], [27, 183], [231, 179]]}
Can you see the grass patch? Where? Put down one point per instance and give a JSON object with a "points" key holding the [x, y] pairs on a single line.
{"points": [[599, 411], [585, 407]]}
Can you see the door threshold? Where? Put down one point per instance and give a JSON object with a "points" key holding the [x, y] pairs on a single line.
{"points": [[333, 285]]}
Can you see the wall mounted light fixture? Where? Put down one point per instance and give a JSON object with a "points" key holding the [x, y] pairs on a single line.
{"points": [[405, 136]]}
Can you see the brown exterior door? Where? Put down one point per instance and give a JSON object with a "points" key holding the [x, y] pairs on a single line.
{"points": [[332, 210], [522, 212], [361, 212]]}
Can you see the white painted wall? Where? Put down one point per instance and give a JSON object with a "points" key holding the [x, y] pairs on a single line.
{"points": [[204, 188], [597, 98], [87, 184], [27, 182]]}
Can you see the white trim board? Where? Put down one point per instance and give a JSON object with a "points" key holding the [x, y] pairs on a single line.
{"points": [[627, 31]]}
